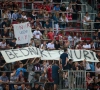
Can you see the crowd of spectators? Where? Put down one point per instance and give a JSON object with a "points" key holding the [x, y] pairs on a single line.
{"points": [[49, 20]]}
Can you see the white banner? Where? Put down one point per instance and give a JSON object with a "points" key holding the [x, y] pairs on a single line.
{"points": [[13, 55], [22, 33]]}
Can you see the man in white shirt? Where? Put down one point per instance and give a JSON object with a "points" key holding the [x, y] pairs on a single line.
{"points": [[51, 46], [37, 34]]}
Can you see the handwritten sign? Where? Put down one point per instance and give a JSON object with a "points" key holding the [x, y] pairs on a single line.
{"points": [[22, 32], [13, 55]]}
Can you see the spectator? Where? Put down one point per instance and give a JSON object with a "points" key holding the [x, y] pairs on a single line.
{"points": [[49, 72], [64, 59], [6, 87], [75, 13], [89, 80], [46, 15], [37, 34], [38, 24], [24, 15], [21, 77], [45, 36], [47, 25], [56, 7], [20, 69], [77, 38], [3, 44], [50, 45], [69, 9], [34, 15], [86, 46], [56, 21], [37, 87], [63, 8], [5, 23], [15, 15], [43, 79], [13, 43], [63, 21], [97, 20], [4, 14], [78, 7], [71, 39], [37, 66], [44, 45], [50, 34], [55, 74], [86, 21], [32, 43], [11, 33], [47, 7], [9, 14], [69, 64], [19, 14], [40, 15], [3, 80], [5, 34], [57, 45], [13, 77], [98, 68]]}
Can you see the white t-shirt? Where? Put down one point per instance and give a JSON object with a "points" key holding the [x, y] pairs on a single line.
{"points": [[50, 46], [87, 66], [37, 34], [97, 70], [44, 46], [87, 18], [70, 38], [62, 20], [76, 39], [87, 46], [24, 17], [2, 45]]}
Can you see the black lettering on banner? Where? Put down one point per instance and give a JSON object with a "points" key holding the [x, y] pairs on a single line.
{"points": [[49, 53], [34, 51], [70, 54], [22, 50], [60, 51], [15, 52], [41, 51], [86, 54], [37, 51], [10, 55], [93, 55], [78, 54], [31, 51]]}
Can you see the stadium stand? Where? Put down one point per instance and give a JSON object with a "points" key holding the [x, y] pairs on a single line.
{"points": [[55, 25]]}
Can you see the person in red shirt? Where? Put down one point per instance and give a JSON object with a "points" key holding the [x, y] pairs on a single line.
{"points": [[48, 7], [49, 75], [50, 35]]}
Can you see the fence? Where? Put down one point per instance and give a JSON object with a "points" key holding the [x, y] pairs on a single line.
{"points": [[69, 80], [77, 80]]}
